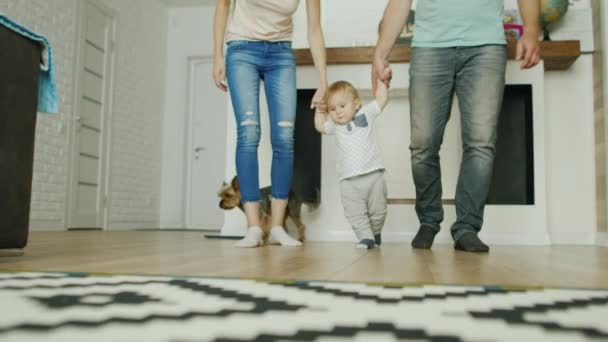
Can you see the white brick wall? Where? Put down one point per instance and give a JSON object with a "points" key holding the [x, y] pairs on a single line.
{"points": [[136, 118], [57, 20]]}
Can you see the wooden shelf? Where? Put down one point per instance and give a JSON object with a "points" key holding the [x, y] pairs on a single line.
{"points": [[557, 55]]}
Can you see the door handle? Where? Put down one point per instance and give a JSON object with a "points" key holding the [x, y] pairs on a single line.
{"points": [[77, 122], [200, 148]]}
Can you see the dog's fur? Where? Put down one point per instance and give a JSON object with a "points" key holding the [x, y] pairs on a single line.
{"points": [[230, 195]]}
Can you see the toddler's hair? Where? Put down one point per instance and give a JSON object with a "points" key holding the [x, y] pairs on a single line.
{"points": [[341, 86]]}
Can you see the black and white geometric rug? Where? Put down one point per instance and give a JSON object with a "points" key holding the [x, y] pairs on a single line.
{"points": [[80, 307]]}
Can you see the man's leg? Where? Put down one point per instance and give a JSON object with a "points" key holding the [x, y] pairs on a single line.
{"points": [[480, 82], [431, 93]]}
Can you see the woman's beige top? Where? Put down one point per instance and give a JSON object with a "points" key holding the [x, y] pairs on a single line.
{"points": [[261, 20]]}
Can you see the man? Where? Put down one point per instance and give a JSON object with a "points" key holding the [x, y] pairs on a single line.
{"points": [[458, 49]]}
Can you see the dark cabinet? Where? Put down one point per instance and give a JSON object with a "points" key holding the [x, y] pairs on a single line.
{"points": [[19, 69]]}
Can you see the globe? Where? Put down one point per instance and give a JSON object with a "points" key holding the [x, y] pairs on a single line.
{"points": [[550, 12]]}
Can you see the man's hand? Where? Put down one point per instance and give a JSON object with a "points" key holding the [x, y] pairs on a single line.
{"points": [[393, 21], [528, 47], [528, 50], [381, 71]]}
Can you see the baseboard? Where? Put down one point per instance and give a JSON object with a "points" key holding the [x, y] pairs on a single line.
{"points": [[118, 226], [47, 226], [601, 239], [172, 225], [529, 239], [573, 238], [233, 230]]}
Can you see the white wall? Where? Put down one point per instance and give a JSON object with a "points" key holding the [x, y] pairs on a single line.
{"points": [[571, 152], [137, 115], [603, 236], [345, 23], [190, 33]]}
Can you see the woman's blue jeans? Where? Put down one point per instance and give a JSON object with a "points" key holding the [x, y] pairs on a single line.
{"points": [[248, 63]]}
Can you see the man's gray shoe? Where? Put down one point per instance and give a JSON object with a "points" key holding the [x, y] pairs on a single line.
{"points": [[424, 238], [470, 242]]}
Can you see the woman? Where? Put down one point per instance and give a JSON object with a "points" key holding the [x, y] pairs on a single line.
{"points": [[258, 34]]}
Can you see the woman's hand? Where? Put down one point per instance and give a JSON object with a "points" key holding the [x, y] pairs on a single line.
{"points": [[318, 100], [219, 74], [220, 19]]}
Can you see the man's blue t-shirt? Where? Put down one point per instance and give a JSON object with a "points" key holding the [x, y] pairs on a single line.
{"points": [[450, 23]]}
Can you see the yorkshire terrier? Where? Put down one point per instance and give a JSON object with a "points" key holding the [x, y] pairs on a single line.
{"points": [[230, 195]]}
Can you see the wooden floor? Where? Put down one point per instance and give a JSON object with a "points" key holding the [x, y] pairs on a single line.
{"points": [[190, 254]]}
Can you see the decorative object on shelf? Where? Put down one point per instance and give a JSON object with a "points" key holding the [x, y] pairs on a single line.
{"points": [[551, 11], [513, 25]]}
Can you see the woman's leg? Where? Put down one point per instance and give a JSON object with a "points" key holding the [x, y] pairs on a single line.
{"points": [[243, 75], [280, 86]]}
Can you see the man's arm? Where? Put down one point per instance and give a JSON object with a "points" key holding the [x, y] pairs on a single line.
{"points": [[393, 21], [528, 47]]}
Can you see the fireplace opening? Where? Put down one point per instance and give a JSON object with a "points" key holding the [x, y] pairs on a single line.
{"points": [[513, 177], [307, 150]]}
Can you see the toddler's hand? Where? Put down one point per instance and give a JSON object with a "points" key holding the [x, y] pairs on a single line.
{"points": [[318, 99], [381, 86]]}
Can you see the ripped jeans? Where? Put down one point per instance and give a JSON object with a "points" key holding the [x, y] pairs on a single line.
{"points": [[247, 63]]}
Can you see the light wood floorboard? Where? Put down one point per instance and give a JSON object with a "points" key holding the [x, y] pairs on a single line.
{"points": [[190, 254]]}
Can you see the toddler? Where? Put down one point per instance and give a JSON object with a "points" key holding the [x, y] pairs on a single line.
{"points": [[359, 159]]}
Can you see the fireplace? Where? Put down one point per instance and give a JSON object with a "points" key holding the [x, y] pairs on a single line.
{"points": [[518, 198]]}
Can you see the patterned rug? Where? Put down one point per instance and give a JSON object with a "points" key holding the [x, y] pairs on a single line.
{"points": [[80, 307]]}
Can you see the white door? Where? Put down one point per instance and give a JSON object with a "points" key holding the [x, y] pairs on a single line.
{"points": [[94, 82], [206, 151]]}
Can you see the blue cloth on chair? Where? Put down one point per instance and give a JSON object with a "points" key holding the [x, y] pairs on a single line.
{"points": [[47, 89]]}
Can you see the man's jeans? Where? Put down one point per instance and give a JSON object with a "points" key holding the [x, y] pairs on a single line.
{"points": [[477, 76]]}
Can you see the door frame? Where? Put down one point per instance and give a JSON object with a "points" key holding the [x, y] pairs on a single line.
{"points": [[103, 198], [192, 63]]}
